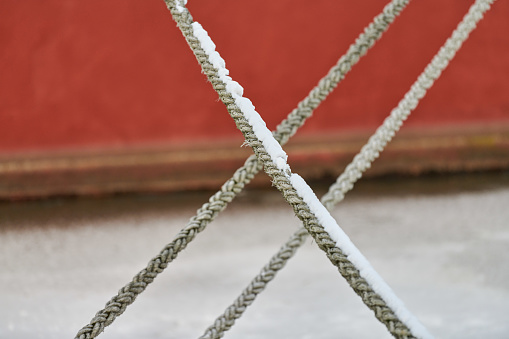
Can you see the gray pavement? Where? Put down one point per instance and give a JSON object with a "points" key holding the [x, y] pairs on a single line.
{"points": [[441, 243]]}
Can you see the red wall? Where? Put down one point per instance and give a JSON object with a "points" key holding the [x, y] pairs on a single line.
{"points": [[119, 73]]}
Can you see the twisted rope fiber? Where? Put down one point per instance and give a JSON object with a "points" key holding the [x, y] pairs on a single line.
{"points": [[382, 311], [376, 143], [327, 84], [322, 238], [353, 171], [226, 320], [218, 202], [127, 294], [365, 40], [229, 189]]}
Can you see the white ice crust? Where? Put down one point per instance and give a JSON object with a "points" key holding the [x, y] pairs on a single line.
{"points": [[355, 256], [279, 157], [273, 148]]}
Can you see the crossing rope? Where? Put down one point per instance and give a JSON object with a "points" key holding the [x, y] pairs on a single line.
{"points": [[352, 265], [126, 296], [353, 172], [242, 176]]}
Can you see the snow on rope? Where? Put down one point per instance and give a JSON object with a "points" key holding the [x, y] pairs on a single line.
{"points": [[346, 180], [317, 220], [365, 40], [233, 88], [242, 176]]}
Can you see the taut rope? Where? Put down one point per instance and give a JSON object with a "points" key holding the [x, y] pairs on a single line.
{"points": [[352, 173], [287, 182], [242, 176]]}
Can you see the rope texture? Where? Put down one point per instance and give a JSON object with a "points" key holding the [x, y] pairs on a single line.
{"points": [[226, 320], [353, 171], [229, 190], [242, 176], [279, 179], [327, 84], [305, 108], [376, 143]]}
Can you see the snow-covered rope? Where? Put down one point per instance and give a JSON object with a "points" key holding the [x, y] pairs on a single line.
{"points": [[353, 171], [126, 295], [242, 176], [352, 265]]}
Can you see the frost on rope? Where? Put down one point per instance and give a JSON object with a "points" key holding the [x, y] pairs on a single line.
{"points": [[355, 256], [279, 157], [180, 8], [273, 148]]}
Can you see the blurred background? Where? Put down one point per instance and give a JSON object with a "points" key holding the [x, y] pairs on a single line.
{"points": [[111, 138], [105, 96]]}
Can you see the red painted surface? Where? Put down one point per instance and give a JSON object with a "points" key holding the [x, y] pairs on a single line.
{"points": [[119, 73]]}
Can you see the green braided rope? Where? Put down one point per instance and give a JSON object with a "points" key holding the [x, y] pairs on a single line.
{"points": [[218, 202], [382, 312]]}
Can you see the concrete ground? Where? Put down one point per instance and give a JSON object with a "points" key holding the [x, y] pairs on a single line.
{"points": [[442, 244]]}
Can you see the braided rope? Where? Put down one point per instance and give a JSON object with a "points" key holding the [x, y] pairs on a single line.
{"points": [[206, 214], [242, 176], [376, 143], [353, 171], [304, 109], [127, 294], [327, 84], [226, 320], [281, 177]]}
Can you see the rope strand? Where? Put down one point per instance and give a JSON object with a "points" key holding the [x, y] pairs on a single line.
{"points": [[217, 202], [377, 142], [242, 176], [281, 179], [352, 173], [362, 44]]}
